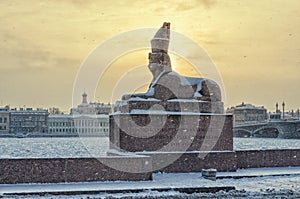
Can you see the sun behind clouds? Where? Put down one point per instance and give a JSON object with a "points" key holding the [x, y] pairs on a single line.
{"points": [[255, 45]]}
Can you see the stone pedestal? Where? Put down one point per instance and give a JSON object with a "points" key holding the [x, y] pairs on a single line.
{"points": [[176, 141], [171, 132]]}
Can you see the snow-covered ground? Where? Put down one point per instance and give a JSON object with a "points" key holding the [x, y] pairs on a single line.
{"points": [[268, 194]]}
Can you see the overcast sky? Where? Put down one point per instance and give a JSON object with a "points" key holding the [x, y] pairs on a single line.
{"points": [[255, 45]]}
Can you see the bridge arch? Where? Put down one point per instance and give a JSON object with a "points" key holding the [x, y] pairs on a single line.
{"points": [[268, 132], [242, 133], [296, 134]]}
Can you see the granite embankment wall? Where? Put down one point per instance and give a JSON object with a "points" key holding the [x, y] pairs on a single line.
{"points": [[189, 161], [268, 158], [128, 168], [56, 170], [224, 160]]}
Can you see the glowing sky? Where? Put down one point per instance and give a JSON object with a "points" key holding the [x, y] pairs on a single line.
{"points": [[254, 43]]}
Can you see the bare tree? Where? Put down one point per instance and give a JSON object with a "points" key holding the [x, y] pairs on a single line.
{"points": [[54, 110]]}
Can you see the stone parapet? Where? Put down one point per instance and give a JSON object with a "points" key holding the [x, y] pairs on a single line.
{"points": [[75, 169], [192, 161], [139, 165], [268, 158]]}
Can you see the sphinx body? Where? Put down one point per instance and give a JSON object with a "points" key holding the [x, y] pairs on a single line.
{"points": [[170, 85], [167, 84]]}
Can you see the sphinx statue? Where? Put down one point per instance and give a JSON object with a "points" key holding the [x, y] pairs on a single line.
{"points": [[167, 84]]}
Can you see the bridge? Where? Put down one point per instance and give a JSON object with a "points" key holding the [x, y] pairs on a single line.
{"points": [[271, 129]]}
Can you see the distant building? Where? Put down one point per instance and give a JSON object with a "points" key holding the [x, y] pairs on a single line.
{"points": [[91, 108], [88, 119], [92, 124], [28, 121], [284, 115], [60, 124], [79, 124], [275, 116], [4, 120], [248, 113]]}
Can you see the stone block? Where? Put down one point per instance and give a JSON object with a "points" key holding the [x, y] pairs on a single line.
{"points": [[171, 132], [75, 169], [176, 105], [268, 158], [192, 161]]}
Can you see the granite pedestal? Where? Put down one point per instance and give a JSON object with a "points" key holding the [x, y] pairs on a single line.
{"points": [[171, 132], [176, 141]]}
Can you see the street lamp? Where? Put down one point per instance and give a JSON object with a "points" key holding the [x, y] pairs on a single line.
{"points": [[283, 105]]}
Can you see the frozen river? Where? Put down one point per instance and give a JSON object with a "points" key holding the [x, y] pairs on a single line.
{"points": [[90, 147]]}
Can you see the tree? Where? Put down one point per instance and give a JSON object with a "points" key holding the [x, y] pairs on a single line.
{"points": [[54, 110]]}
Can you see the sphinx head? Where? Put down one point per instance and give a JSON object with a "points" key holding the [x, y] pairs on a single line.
{"points": [[166, 25]]}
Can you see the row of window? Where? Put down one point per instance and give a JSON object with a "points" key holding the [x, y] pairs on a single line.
{"points": [[249, 118], [28, 129], [27, 123], [79, 123], [61, 123], [74, 130], [3, 119], [2, 127], [28, 118]]}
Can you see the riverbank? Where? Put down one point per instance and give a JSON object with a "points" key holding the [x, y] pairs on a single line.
{"points": [[254, 183]]}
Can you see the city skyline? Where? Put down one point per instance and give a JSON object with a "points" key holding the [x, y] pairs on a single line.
{"points": [[254, 44], [278, 106]]}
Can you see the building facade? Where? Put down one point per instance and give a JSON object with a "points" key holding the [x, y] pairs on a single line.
{"points": [[28, 121], [248, 113], [92, 124], [87, 119], [60, 124], [4, 120], [79, 124]]}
